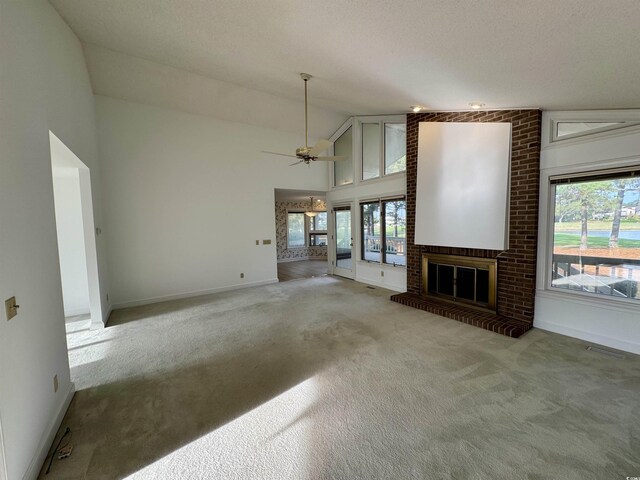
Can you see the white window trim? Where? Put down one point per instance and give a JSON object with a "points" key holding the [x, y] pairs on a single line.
{"points": [[592, 160], [332, 174], [551, 119], [356, 150], [380, 201], [381, 120], [317, 232], [304, 223]]}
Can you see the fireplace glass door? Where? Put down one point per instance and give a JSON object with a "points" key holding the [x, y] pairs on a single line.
{"points": [[460, 279]]}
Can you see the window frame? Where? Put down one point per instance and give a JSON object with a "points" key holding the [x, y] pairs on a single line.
{"points": [[384, 151], [308, 232], [356, 151], [304, 226], [549, 183], [550, 136], [382, 122], [312, 232], [382, 203], [362, 204], [350, 123]]}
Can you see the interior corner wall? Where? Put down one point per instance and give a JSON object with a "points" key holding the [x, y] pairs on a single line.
{"points": [[45, 87], [302, 253], [187, 196], [517, 264]]}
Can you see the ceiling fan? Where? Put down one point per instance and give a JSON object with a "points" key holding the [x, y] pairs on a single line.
{"points": [[309, 154]]}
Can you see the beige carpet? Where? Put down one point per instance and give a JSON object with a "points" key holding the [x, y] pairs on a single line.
{"points": [[325, 378]]}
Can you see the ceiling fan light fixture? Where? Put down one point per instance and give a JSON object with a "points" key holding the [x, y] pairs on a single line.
{"points": [[311, 213]]}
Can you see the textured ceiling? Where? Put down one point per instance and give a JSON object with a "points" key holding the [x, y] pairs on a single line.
{"points": [[379, 56]]}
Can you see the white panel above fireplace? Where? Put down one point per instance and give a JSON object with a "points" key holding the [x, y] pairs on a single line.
{"points": [[462, 192]]}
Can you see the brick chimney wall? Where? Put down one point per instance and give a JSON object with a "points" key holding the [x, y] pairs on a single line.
{"points": [[517, 265]]}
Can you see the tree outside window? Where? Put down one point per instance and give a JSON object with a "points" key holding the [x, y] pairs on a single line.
{"points": [[596, 235]]}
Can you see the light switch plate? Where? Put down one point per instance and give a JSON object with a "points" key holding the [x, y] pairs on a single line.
{"points": [[11, 308], [266, 242]]}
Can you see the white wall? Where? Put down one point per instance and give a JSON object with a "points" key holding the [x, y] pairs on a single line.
{"points": [[187, 196], [3, 466], [45, 86], [589, 317], [71, 250]]}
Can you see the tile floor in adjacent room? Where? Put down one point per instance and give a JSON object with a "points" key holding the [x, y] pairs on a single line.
{"points": [[301, 269]]}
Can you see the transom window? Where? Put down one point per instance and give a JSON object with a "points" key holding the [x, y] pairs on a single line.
{"points": [[343, 169], [383, 231], [596, 233]]}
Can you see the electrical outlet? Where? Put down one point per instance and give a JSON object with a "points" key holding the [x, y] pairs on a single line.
{"points": [[242, 275], [382, 273], [257, 242], [55, 383], [11, 308]]}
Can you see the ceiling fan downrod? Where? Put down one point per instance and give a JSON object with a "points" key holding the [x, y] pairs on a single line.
{"points": [[305, 77]]}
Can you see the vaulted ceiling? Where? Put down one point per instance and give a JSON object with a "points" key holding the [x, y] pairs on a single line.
{"points": [[376, 56]]}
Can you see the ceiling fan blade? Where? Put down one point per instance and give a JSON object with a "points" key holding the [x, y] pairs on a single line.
{"points": [[281, 154], [331, 159], [296, 163], [319, 147]]}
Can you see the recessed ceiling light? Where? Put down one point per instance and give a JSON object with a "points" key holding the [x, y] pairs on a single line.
{"points": [[476, 105], [416, 108]]}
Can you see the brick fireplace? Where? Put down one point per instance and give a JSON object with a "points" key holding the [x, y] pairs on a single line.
{"points": [[516, 270]]}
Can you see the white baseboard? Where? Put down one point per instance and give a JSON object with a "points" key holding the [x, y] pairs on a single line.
{"points": [[48, 437], [166, 298], [588, 336], [367, 281]]}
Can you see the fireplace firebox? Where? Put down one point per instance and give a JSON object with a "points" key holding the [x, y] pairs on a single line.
{"points": [[459, 279]]}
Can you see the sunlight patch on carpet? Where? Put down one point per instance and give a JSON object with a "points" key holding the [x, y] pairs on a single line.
{"points": [[270, 441]]}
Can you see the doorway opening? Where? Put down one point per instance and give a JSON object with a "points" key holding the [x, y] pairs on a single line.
{"points": [[301, 234], [343, 241], [76, 232]]}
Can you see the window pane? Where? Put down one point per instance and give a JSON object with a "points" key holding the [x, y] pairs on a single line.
{"points": [[295, 230], [370, 150], [596, 237], [319, 222], [572, 128], [343, 169], [395, 232], [395, 147], [371, 240], [318, 240]]}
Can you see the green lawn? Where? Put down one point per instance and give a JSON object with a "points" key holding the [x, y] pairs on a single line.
{"points": [[568, 240]]}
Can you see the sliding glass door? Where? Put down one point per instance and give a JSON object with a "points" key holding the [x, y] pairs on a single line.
{"points": [[343, 241]]}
